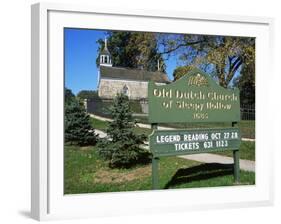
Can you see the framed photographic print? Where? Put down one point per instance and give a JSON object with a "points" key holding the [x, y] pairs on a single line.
{"points": [[148, 111]]}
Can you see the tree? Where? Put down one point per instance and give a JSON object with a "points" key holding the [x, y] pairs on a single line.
{"points": [[68, 96], [78, 128], [133, 50], [88, 94], [246, 83], [181, 71], [122, 148], [222, 56], [231, 56]]}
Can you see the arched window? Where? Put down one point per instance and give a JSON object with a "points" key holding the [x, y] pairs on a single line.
{"points": [[125, 90]]}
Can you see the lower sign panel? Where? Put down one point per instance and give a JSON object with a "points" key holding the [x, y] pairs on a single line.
{"points": [[181, 142]]}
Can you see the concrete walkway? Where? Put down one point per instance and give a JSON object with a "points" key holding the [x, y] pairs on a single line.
{"points": [[246, 165], [100, 133]]}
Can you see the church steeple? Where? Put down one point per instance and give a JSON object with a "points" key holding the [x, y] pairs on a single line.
{"points": [[105, 57]]}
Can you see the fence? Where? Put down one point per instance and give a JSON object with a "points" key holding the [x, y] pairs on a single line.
{"points": [[248, 112]]}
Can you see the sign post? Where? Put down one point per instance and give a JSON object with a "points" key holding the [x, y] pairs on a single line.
{"points": [[155, 160], [194, 98], [236, 161]]}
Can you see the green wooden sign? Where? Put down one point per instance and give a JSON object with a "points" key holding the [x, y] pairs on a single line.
{"points": [[195, 97], [190, 141]]}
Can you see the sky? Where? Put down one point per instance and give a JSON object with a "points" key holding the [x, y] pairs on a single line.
{"points": [[81, 50]]}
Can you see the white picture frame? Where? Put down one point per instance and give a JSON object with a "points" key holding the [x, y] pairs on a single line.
{"points": [[48, 201]]}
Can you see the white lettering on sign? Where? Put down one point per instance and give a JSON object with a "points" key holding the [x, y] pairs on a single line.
{"points": [[187, 146], [168, 138], [234, 135], [208, 145], [222, 143], [195, 137], [215, 136], [198, 141]]}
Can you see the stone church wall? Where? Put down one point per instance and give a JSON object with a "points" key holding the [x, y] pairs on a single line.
{"points": [[108, 88]]}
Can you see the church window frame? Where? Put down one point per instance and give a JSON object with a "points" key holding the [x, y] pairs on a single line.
{"points": [[125, 90]]}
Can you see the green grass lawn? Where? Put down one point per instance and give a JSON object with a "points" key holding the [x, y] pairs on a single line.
{"points": [[102, 125], [247, 149], [86, 173], [98, 124]]}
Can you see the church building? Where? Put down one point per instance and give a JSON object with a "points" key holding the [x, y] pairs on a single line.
{"points": [[132, 82]]}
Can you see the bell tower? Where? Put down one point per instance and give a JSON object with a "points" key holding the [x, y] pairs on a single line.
{"points": [[105, 57]]}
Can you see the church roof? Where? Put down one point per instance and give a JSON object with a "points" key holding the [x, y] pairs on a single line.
{"points": [[105, 51], [133, 74]]}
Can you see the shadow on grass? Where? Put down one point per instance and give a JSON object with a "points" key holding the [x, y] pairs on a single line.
{"points": [[200, 172], [144, 158]]}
